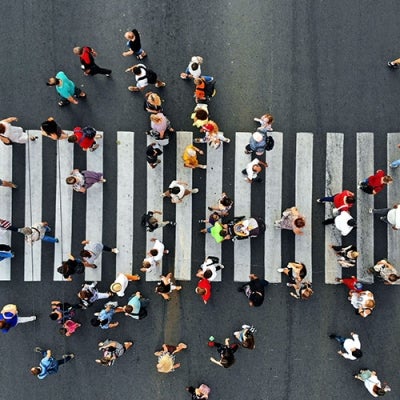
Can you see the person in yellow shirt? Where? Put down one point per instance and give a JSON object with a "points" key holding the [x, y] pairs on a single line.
{"points": [[190, 157]]}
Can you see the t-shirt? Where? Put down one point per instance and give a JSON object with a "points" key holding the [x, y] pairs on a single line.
{"points": [[255, 291], [95, 248], [135, 44], [49, 365], [141, 79], [341, 223], [189, 159], [135, 303], [393, 217], [86, 57], [159, 246], [123, 280], [67, 87], [351, 344], [375, 180], [339, 202], [178, 196], [83, 141], [249, 169]]}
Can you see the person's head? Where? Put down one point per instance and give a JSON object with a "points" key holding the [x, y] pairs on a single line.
{"points": [[146, 264], [154, 98], [370, 304], [77, 50], [26, 231], [36, 371], [70, 180], [267, 118], [54, 316], [211, 127], [115, 287], [128, 309], [153, 252], [72, 139], [201, 114], [53, 81], [84, 253], [200, 291], [226, 201], [299, 222], [393, 277], [387, 179], [207, 274], [84, 294], [215, 216], [2, 128], [350, 199], [357, 353], [103, 361], [3, 324], [95, 322], [198, 81], [378, 390], [129, 35], [137, 70], [353, 254], [174, 190], [156, 118], [257, 168], [191, 152], [194, 66], [307, 293], [223, 233]]}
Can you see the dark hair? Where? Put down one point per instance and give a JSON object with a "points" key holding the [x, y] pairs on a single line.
{"points": [[72, 138], [201, 114], [84, 253], [194, 66], [207, 274], [4, 324], [54, 316], [84, 294], [357, 353], [248, 342], [36, 371], [351, 199], [63, 269], [393, 277], [226, 201], [62, 331], [137, 70], [128, 309], [174, 190], [379, 391], [223, 232], [153, 252], [299, 222], [303, 271], [95, 322], [352, 222]]}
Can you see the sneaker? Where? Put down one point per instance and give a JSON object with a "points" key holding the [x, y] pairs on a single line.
{"points": [[222, 267], [161, 84], [227, 140], [37, 349], [99, 136], [280, 269], [33, 138], [197, 140], [13, 185], [382, 219], [391, 65], [71, 355], [115, 250], [104, 180], [288, 284], [56, 240], [96, 314], [133, 89], [201, 221], [101, 344], [172, 223], [94, 147], [332, 336], [370, 210], [203, 166], [319, 201], [195, 190], [108, 75], [162, 194]]}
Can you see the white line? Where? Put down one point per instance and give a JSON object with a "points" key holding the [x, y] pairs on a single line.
{"points": [[125, 202], [334, 183], [365, 221], [242, 206], [183, 232], [273, 210], [33, 199], [94, 208], [304, 170], [64, 192]]}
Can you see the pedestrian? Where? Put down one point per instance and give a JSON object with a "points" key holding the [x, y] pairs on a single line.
{"points": [[344, 223], [302, 290], [351, 283], [120, 284], [144, 76], [350, 346], [165, 286], [246, 336], [70, 267], [5, 252], [257, 144], [85, 138], [209, 268], [161, 129], [265, 122], [9, 184], [204, 89], [67, 89], [295, 271], [346, 256], [38, 232], [363, 302], [86, 56], [9, 318], [10, 134], [166, 363], [199, 393], [89, 294], [112, 350], [291, 220], [253, 169], [104, 317], [69, 327], [152, 103], [226, 352], [375, 183], [193, 70], [200, 115], [83, 180], [212, 136], [203, 289], [254, 290], [151, 223], [372, 383], [396, 163], [52, 130], [152, 152], [49, 365], [136, 307], [134, 45], [155, 255], [212, 220], [92, 251], [387, 272], [190, 157], [61, 312], [342, 201], [390, 216], [177, 190]]}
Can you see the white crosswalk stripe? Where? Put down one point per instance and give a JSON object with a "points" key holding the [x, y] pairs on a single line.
{"points": [[180, 259]]}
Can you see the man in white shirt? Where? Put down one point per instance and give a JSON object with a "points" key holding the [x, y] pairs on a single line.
{"points": [[155, 255], [351, 346], [389, 215], [252, 170]]}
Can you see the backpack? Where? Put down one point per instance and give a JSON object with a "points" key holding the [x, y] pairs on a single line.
{"points": [[269, 143], [208, 89], [87, 132], [150, 75]]}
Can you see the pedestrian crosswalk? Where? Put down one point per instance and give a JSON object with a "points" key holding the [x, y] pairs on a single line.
{"points": [[127, 199]]}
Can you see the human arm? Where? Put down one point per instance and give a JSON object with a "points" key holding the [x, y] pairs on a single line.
{"points": [[127, 53], [130, 69], [10, 119], [213, 360]]}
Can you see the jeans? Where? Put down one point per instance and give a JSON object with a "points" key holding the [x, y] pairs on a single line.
{"points": [[49, 239], [327, 199], [340, 339], [383, 212], [95, 69], [395, 164]]}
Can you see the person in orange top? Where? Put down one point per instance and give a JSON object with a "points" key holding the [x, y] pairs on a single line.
{"points": [[190, 157]]}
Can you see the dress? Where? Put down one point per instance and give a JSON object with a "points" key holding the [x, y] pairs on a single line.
{"points": [[288, 218], [14, 133]]}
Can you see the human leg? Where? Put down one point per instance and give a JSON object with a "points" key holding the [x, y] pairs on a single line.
{"points": [[92, 177], [66, 358], [380, 211], [49, 239], [338, 338], [132, 277], [95, 69], [23, 320], [395, 164], [326, 199], [7, 184]]}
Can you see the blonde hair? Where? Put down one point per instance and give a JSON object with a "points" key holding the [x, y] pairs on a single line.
{"points": [[165, 363]]}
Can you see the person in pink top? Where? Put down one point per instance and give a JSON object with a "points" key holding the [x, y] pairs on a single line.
{"points": [[342, 201], [375, 183]]}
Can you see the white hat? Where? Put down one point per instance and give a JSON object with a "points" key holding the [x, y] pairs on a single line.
{"points": [[258, 137]]}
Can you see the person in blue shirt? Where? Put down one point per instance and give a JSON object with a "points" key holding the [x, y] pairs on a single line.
{"points": [[104, 317], [136, 307], [9, 318], [49, 365], [66, 89]]}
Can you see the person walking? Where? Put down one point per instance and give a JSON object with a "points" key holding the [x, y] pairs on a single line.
{"points": [[92, 251], [38, 232], [83, 180], [212, 136], [295, 271], [253, 169], [152, 152], [189, 157], [161, 129], [70, 267], [112, 350], [153, 103], [224, 205], [144, 76], [120, 284], [351, 283], [209, 268], [204, 289], [67, 89], [346, 256], [166, 286], [291, 220], [151, 223], [8, 226], [5, 252], [342, 201], [134, 45], [52, 130], [246, 336], [9, 318], [350, 346], [86, 56], [10, 134], [136, 307], [375, 183], [89, 294], [344, 223], [49, 365], [177, 190], [85, 138], [199, 393], [302, 290], [155, 255], [226, 352], [386, 271], [104, 317], [363, 302], [390, 216], [372, 383], [254, 290]]}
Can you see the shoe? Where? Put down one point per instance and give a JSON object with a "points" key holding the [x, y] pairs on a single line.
{"points": [[104, 180], [391, 65], [96, 314], [162, 194], [172, 223], [203, 166], [13, 185], [98, 136], [115, 250], [195, 190], [280, 269], [222, 267], [370, 210], [337, 279], [332, 336], [197, 140], [210, 209], [161, 84], [37, 349], [101, 344], [166, 251], [319, 201], [201, 221], [382, 219], [288, 284], [56, 240], [227, 140], [72, 355], [94, 147], [33, 138]]}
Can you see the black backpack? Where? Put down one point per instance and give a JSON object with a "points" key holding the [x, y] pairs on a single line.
{"points": [[269, 143], [150, 75]]}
